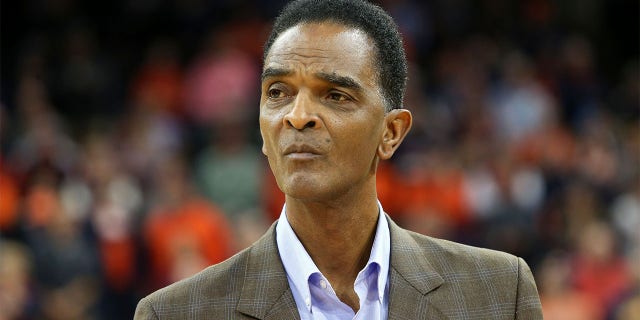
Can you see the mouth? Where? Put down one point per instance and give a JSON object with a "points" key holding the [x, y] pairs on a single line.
{"points": [[301, 152], [301, 156]]}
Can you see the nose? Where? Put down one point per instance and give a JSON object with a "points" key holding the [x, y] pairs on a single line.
{"points": [[302, 114]]}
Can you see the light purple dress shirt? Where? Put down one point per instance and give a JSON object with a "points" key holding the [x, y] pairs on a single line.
{"points": [[313, 293]]}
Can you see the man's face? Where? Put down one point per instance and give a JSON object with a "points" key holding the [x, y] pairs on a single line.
{"points": [[321, 111]]}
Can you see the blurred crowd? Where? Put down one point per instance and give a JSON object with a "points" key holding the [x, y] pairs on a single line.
{"points": [[130, 150]]}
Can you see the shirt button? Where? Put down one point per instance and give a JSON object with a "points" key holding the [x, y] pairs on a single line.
{"points": [[307, 301], [323, 284]]}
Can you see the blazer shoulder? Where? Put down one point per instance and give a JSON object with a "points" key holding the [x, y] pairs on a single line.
{"points": [[440, 251], [482, 277], [464, 281], [213, 288]]}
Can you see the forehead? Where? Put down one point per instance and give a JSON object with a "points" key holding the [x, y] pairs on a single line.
{"points": [[324, 47]]}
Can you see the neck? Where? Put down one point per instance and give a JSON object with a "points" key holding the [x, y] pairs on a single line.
{"points": [[325, 227]]}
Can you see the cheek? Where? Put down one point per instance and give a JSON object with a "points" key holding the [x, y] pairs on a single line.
{"points": [[270, 127], [360, 141], [267, 127], [263, 135]]}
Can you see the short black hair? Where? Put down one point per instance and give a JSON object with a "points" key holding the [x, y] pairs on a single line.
{"points": [[367, 17]]}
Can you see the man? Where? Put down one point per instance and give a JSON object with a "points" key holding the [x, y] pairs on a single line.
{"points": [[332, 87]]}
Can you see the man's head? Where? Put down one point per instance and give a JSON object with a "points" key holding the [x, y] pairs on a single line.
{"points": [[324, 115], [390, 60]]}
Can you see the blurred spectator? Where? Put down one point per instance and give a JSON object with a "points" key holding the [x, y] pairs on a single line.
{"points": [[145, 138], [433, 190], [597, 149], [625, 214], [158, 83], [221, 81], [521, 106], [579, 87], [230, 170], [628, 306], [83, 78], [625, 97], [113, 201], [10, 200], [42, 141], [17, 299], [65, 257], [598, 269], [560, 300], [183, 232]]}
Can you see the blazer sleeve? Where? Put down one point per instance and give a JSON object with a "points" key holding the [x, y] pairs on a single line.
{"points": [[144, 311], [528, 305]]}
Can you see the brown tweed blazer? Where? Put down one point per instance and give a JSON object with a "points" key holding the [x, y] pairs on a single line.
{"points": [[428, 279]]}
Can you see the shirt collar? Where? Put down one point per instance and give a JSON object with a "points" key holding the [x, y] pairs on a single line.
{"points": [[300, 267]]}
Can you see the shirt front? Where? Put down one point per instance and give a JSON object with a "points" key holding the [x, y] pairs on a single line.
{"points": [[314, 296]]}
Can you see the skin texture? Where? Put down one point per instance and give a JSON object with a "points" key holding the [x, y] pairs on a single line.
{"points": [[324, 130]]}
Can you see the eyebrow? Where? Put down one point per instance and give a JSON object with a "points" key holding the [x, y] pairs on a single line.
{"points": [[274, 72], [333, 78], [338, 80]]}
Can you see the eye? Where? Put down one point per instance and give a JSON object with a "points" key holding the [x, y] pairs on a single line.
{"points": [[338, 97], [274, 93]]}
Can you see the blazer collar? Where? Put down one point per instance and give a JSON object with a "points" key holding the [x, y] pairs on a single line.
{"points": [[411, 278], [265, 292]]}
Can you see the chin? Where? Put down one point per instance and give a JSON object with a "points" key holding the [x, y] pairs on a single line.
{"points": [[308, 188]]}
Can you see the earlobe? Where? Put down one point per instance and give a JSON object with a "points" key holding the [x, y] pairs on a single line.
{"points": [[397, 125]]}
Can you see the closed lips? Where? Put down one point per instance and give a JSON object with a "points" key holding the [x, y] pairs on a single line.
{"points": [[301, 149]]}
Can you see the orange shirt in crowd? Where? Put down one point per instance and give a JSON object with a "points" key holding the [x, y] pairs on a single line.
{"points": [[571, 305], [441, 194], [186, 239], [9, 199], [603, 281]]}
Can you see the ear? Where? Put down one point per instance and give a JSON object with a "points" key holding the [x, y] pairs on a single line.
{"points": [[397, 124]]}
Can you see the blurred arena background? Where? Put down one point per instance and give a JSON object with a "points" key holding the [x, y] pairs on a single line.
{"points": [[130, 151]]}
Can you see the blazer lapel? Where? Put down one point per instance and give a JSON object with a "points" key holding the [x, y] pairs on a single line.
{"points": [[412, 279], [265, 292]]}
